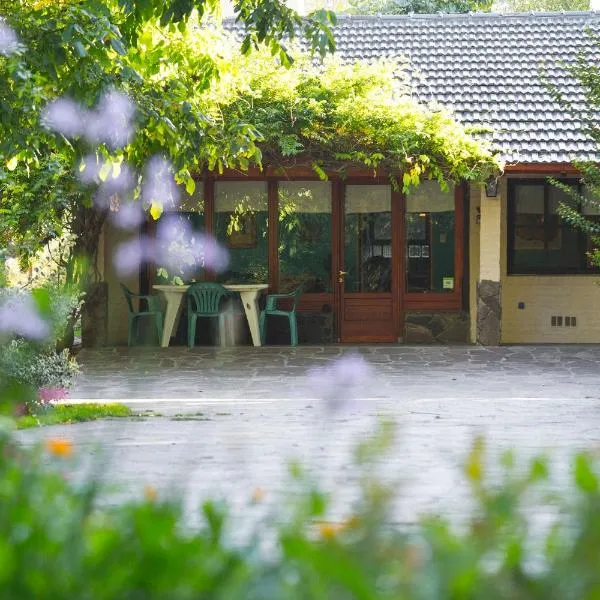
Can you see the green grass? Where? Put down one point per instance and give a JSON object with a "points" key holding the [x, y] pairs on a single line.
{"points": [[74, 413]]}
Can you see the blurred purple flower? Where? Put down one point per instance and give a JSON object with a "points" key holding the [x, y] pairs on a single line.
{"points": [[127, 215], [214, 256], [90, 169], [159, 184], [19, 316], [113, 189], [65, 116], [182, 250], [342, 383], [9, 42], [111, 121], [129, 255], [173, 228]]}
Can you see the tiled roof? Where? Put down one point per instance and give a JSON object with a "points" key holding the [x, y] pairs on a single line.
{"points": [[486, 68]]}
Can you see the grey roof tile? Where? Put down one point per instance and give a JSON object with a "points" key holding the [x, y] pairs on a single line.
{"points": [[486, 68]]}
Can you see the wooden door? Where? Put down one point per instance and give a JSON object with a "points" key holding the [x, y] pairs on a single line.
{"points": [[368, 279]]}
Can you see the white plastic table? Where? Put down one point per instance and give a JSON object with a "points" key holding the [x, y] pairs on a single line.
{"points": [[173, 295]]}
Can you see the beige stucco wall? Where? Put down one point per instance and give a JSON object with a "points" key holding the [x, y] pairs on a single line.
{"points": [[543, 296], [474, 229], [117, 308]]}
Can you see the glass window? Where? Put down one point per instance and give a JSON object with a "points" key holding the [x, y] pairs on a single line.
{"points": [[368, 238], [429, 235], [305, 235], [184, 222], [539, 240], [241, 219]]}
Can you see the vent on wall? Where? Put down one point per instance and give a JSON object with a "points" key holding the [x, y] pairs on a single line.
{"points": [[560, 321]]}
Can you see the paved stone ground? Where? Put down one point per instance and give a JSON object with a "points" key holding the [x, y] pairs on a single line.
{"points": [[231, 419]]}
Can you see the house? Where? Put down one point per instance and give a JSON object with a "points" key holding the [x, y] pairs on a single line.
{"points": [[482, 264]]}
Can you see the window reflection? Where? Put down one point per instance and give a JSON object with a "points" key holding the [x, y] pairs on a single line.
{"points": [[368, 238], [305, 235], [241, 219], [178, 266], [429, 232]]}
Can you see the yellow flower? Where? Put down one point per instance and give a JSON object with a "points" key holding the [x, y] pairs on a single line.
{"points": [[60, 447], [258, 495], [150, 493], [329, 530]]}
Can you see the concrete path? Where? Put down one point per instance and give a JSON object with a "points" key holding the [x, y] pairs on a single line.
{"points": [[231, 419]]}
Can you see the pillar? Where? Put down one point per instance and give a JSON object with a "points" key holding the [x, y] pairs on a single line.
{"points": [[489, 304]]}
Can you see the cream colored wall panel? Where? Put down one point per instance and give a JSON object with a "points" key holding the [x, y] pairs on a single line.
{"points": [[117, 308], [546, 296], [475, 205]]}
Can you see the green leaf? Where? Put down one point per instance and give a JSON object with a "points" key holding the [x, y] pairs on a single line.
{"points": [[11, 164], [190, 186], [80, 49], [118, 47], [585, 478]]}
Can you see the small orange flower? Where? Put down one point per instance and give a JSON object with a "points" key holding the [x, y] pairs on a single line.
{"points": [[258, 495], [59, 447], [329, 530], [150, 493]]}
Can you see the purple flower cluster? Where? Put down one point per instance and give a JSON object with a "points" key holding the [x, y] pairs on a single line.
{"points": [[177, 247], [19, 316], [9, 42], [110, 123], [341, 384]]}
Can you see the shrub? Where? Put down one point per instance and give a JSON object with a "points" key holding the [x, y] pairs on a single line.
{"points": [[35, 366], [56, 542]]}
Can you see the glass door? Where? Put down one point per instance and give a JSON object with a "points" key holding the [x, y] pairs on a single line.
{"points": [[367, 278]]}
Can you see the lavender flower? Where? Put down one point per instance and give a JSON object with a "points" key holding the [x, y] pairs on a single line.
{"points": [[65, 116], [19, 316], [129, 255], [9, 42], [182, 250], [111, 122], [341, 384], [127, 215], [115, 187], [159, 184], [90, 169]]}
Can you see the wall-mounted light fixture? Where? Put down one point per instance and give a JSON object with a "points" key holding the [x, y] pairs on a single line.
{"points": [[491, 187]]}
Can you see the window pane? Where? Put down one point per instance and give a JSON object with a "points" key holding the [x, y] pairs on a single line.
{"points": [[563, 251], [368, 238], [429, 232], [305, 235], [241, 210], [529, 230], [542, 242], [187, 219]]}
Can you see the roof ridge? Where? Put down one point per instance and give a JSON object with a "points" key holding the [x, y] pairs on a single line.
{"points": [[471, 15]]}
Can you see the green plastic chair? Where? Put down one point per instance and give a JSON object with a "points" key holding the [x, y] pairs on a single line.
{"points": [[271, 309], [153, 310], [205, 299]]}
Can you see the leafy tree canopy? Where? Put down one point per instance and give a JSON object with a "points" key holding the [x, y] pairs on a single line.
{"points": [[586, 110], [405, 7], [542, 5], [203, 105]]}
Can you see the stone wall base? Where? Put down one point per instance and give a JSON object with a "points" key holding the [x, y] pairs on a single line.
{"points": [[489, 312], [436, 328]]}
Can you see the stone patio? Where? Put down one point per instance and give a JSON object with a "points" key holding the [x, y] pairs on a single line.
{"points": [[230, 419]]}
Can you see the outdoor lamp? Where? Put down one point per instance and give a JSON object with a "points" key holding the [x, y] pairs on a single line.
{"points": [[491, 187]]}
